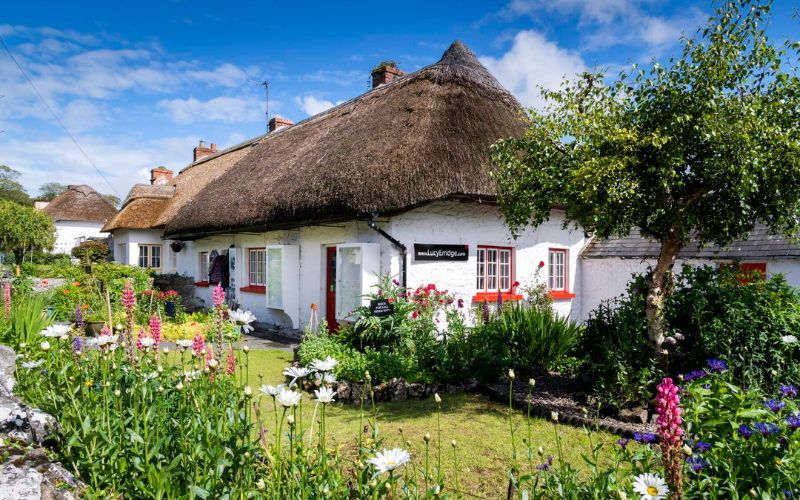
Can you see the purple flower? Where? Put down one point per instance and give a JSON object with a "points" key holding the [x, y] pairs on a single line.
{"points": [[766, 428], [793, 421], [702, 446], [774, 405], [623, 442], [788, 391], [77, 345], [696, 463], [670, 341], [79, 317], [678, 336], [694, 374], [645, 437], [546, 465], [395, 282], [746, 431], [717, 365]]}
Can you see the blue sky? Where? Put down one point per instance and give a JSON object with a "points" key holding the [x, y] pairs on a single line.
{"points": [[139, 83]]}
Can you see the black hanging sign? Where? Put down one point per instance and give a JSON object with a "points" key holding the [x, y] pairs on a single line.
{"points": [[381, 307], [441, 252]]}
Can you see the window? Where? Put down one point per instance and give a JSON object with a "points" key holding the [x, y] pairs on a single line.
{"points": [[202, 268], [122, 253], [150, 256], [495, 269], [256, 261], [557, 269], [275, 277]]}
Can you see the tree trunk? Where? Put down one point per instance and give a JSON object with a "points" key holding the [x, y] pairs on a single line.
{"points": [[659, 286], [19, 256]]}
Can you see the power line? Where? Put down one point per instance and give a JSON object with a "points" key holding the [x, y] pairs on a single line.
{"points": [[46, 105]]}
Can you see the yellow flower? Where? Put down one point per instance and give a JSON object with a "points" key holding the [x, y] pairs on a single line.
{"points": [[89, 382]]}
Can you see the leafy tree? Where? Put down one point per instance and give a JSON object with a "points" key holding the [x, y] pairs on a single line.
{"points": [[91, 252], [50, 190], [113, 199], [702, 148], [10, 188], [24, 228]]}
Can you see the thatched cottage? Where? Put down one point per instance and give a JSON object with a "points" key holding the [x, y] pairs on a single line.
{"points": [[79, 214]]}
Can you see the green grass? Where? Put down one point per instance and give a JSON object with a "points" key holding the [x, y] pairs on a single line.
{"points": [[479, 425]]}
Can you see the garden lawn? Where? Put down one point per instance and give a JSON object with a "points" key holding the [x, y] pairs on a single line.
{"points": [[479, 425]]}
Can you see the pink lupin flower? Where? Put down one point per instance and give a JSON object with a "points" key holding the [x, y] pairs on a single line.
{"points": [[219, 295], [128, 296], [7, 300], [670, 433], [139, 336], [155, 331], [230, 363], [198, 343]]}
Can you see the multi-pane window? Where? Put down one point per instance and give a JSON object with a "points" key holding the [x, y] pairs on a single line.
{"points": [[256, 262], [150, 256], [202, 268], [557, 269], [494, 269]]}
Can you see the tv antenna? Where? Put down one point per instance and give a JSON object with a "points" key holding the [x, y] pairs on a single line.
{"points": [[265, 84]]}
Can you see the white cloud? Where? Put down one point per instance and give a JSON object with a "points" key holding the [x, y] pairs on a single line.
{"points": [[313, 105], [225, 75], [224, 109], [531, 63]]}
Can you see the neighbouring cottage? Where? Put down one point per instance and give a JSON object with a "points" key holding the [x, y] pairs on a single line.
{"points": [[607, 266], [394, 181], [138, 228], [79, 214]]}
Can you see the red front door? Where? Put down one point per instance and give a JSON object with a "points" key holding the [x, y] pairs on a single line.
{"points": [[330, 289]]}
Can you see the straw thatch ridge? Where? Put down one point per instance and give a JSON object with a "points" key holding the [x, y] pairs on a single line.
{"points": [[151, 206], [80, 203], [422, 137]]}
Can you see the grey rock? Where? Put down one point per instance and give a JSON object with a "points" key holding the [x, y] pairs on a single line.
{"points": [[29, 474], [8, 364], [633, 415], [399, 390], [416, 390], [343, 391]]}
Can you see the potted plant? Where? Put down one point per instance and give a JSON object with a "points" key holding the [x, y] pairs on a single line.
{"points": [[93, 323]]}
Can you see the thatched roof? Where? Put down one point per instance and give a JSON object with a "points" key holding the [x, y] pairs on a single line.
{"points": [[151, 206], [80, 203], [422, 137]]}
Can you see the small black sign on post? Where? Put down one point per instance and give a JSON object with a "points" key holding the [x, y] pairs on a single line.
{"points": [[381, 307], [438, 252]]}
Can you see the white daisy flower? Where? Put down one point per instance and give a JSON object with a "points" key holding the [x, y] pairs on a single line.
{"points": [[295, 372], [324, 365], [789, 339], [325, 378], [325, 395], [650, 487], [271, 390], [148, 342], [30, 365], [151, 376], [102, 340], [388, 460], [55, 331], [243, 318], [288, 398], [45, 345], [184, 343]]}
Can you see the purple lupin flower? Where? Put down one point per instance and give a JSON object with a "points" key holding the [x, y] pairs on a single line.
{"points": [[499, 301], [485, 312], [77, 345], [79, 317]]}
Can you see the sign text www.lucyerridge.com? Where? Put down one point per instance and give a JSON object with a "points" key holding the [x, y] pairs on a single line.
{"points": [[440, 252]]}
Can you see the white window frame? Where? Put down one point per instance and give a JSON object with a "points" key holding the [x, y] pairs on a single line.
{"points": [[202, 266], [257, 277], [558, 269], [148, 255], [494, 269]]}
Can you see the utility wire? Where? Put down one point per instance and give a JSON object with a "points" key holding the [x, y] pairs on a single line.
{"points": [[46, 105]]}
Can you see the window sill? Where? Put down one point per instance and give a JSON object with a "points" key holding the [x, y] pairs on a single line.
{"points": [[254, 289], [203, 284], [492, 297], [560, 295]]}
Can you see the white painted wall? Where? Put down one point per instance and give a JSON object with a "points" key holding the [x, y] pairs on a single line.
{"points": [[446, 222], [69, 234], [126, 247], [606, 278]]}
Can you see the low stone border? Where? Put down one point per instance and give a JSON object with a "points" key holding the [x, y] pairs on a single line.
{"points": [[397, 389]]}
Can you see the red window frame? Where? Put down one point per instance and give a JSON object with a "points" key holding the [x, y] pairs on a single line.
{"points": [[255, 287], [498, 276], [561, 292]]}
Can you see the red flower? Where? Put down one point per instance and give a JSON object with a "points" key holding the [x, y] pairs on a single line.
{"points": [[414, 314], [541, 263], [515, 284], [390, 300]]}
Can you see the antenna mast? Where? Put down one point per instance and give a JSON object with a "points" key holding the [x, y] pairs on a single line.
{"points": [[265, 84]]}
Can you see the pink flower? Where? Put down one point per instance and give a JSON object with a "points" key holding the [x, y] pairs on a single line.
{"points": [[460, 303], [198, 343], [515, 284], [142, 334], [155, 330], [219, 296], [128, 297], [6, 300], [669, 412], [106, 330], [230, 363]]}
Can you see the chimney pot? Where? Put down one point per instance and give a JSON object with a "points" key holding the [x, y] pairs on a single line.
{"points": [[385, 73], [279, 122], [160, 176], [201, 151]]}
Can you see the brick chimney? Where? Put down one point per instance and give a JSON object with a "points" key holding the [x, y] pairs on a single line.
{"points": [[278, 123], [201, 151], [384, 73], [161, 176]]}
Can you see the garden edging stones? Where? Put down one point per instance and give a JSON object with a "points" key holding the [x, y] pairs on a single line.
{"points": [[27, 471]]}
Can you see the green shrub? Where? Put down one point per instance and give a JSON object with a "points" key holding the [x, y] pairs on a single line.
{"points": [[91, 252], [28, 317]]}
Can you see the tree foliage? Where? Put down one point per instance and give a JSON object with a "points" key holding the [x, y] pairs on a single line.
{"points": [[91, 252], [703, 147], [50, 190], [24, 228], [10, 188]]}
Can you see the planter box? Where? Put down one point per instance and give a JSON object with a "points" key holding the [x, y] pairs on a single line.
{"points": [[92, 328]]}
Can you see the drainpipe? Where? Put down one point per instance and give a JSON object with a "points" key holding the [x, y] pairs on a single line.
{"points": [[397, 244]]}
